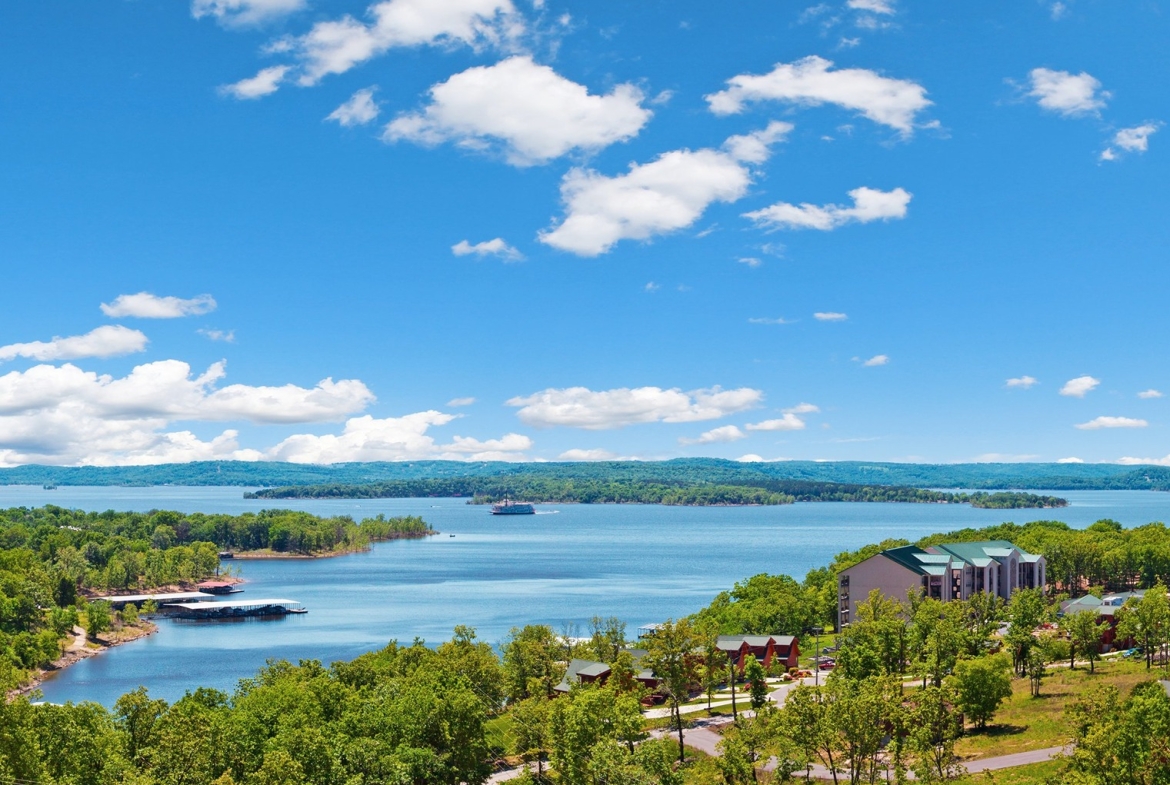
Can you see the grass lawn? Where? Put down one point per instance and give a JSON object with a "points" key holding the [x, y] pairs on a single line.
{"points": [[1027, 723], [1032, 774], [498, 731]]}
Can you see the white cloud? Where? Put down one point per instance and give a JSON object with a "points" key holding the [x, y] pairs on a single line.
{"points": [[457, 402], [723, 434], [830, 316], [145, 305], [394, 439], [1111, 422], [877, 359], [1058, 10], [265, 82], [1150, 393], [662, 196], [533, 113], [789, 422], [65, 415], [1070, 460], [107, 341], [1023, 382], [1145, 461], [580, 407], [750, 261], [651, 287], [769, 320], [869, 204], [243, 13], [1132, 140], [227, 336], [596, 454], [1066, 93], [1078, 387], [336, 46], [810, 82], [361, 108], [756, 147], [802, 408], [873, 6], [494, 247]]}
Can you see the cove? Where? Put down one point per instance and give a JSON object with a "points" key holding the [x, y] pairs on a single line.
{"points": [[640, 563]]}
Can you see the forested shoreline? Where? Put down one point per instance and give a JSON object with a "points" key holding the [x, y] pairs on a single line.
{"points": [[569, 491], [976, 476], [449, 714]]}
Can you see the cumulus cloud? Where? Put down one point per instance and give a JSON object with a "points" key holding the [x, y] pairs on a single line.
{"points": [[65, 415], [227, 336], [662, 196], [528, 111], [106, 341], [1023, 382], [750, 261], [802, 408], [244, 13], [873, 6], [812, 81], [360, 109], [596, 454], [1150, 393], [1145, 461], [337, 45], [1071, 459], [723, 434], [145, 305], [1098, 423], [877, 359], [789, 422], [457, 402], [869, 204], [580, 407], [394, 439], [1066, 93], [265, 82], [1078, 387], [830, 316], [1130, 140], [495, 247]]}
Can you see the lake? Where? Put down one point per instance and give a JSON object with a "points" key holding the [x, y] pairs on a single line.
{"points": [[567, 564]]}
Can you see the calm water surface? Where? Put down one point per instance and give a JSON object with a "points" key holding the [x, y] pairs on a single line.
{"points": [[641, 563]]}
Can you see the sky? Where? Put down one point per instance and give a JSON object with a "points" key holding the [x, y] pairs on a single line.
{"points": [[324, 230]]}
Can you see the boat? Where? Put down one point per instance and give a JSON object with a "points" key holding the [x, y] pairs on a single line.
{"points": [[49, 487], [509, 507]]}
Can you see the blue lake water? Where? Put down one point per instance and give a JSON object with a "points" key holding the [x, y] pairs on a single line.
{"points": [[640, 563]]}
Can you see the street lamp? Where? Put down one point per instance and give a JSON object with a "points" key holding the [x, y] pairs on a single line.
{"points": [[817, 660]]}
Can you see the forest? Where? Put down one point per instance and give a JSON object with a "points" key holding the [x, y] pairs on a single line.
{"points": [[976, 476], [535, 488]]}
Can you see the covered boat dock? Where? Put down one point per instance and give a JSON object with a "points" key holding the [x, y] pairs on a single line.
{"points": [[235, 609], [117, 602]]}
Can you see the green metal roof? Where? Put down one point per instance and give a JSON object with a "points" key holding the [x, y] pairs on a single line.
{"points": [[907, 556], [977, 553]]}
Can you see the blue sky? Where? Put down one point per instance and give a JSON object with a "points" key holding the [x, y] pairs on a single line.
{"points": [[315, 231]]}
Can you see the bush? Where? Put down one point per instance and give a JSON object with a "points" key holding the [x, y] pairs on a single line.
{"points": [[983, 684]]}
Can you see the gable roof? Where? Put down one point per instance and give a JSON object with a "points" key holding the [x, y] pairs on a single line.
{"points": [[907, 556]]}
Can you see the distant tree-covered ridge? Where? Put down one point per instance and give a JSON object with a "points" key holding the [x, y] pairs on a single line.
{"points": [[532, 488], [975, 476]]}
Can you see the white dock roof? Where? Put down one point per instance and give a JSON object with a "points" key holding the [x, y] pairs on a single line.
{"points": [[201, 606], [175, 596]]}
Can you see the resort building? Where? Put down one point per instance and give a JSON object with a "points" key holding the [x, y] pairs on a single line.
{"points": [[591, 672], [766, 649], [950, 571]]}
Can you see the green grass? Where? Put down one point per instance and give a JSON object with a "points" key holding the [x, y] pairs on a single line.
{"points": [[1032, 774], [498, 731], [1027, 723]]}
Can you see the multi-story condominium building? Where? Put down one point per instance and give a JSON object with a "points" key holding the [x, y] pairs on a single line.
{"points": [[950, 571]]}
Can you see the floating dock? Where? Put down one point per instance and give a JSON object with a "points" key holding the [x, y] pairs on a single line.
{"points": [[235, 609], [166, 598]]}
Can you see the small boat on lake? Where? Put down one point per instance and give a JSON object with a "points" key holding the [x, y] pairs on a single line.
{"points": [[509, 507]]}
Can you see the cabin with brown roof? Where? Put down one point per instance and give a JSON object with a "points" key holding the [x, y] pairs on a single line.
{"points": [[766, 649]]}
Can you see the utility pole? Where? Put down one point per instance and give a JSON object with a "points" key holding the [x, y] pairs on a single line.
{"points": [[816, 631]]}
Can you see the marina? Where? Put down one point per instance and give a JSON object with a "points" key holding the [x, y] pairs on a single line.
{"points": [[235, 609]]}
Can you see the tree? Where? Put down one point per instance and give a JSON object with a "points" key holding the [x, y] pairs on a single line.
{"points": [[875, 644], [932, 725], [804, 719], [1037, 668], [936, 638], [531, 662], [757, 679], [669, 656], [982, 684], [1025, 613], [530, 738], [1084, 636], [714, 658], [97, 618], [1146, 621], [607, 637], [858, 714]]}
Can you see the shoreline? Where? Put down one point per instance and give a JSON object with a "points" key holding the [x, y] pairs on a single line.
{"points": [[266, 555], [79, 650]]}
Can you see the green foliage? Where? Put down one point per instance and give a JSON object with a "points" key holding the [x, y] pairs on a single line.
{"points": [[1146, 621], [670, 655], [765, 605], [981, 685], [97, 618], [757, 681], [1084, 636], [531, 662], [1119, 742]]}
